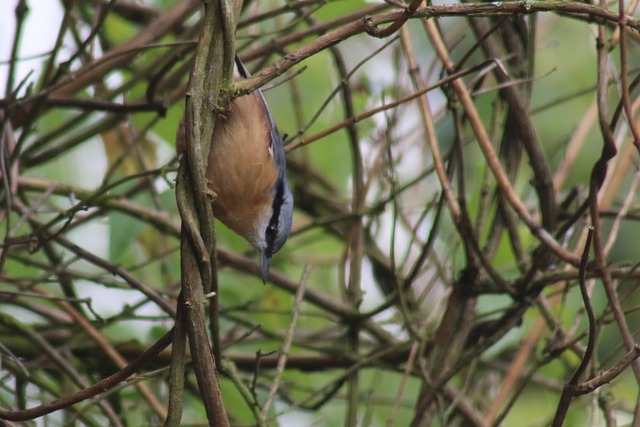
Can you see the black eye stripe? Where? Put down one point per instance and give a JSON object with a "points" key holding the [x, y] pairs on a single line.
{"points": [[272, 229]]}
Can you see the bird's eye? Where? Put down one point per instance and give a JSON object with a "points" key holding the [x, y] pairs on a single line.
{"points": [[271, 230]]}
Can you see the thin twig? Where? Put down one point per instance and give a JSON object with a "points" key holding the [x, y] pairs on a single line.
{"points": [[231, 372], [397, 23], [493, 161], [415, 95], [20, 11], [95, 389], [608, 375], [567, 391], [286, 346]]}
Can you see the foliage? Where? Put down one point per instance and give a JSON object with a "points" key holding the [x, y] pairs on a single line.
{"points": [[462, 250]]}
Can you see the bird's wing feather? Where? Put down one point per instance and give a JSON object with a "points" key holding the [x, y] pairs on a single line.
{"points": [[276, 145]]}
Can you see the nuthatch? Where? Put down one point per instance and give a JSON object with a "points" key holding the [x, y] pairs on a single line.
{"points": [[247, 174]]}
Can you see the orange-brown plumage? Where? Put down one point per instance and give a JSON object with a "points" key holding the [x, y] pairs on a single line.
{"points": [[241, 171], [246, 173]]}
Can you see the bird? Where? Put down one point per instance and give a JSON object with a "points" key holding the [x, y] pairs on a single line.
{"points": [[247, 174]]}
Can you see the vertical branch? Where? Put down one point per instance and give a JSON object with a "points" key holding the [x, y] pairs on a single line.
{"points": [[454, 327], [598, 174], [356, 244], [226, 77], [568, 389], [493, 162], [519, 132], [204, 364], [626, 103], [355, 232], [177, 369], [47, 77], [7, 137], [20, 12], [211, 75]]}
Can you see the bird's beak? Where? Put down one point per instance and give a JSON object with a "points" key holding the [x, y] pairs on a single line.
{"points": [[265, 264]]}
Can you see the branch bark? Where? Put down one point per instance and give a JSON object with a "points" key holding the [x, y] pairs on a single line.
{"points": [[211, 75]]}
